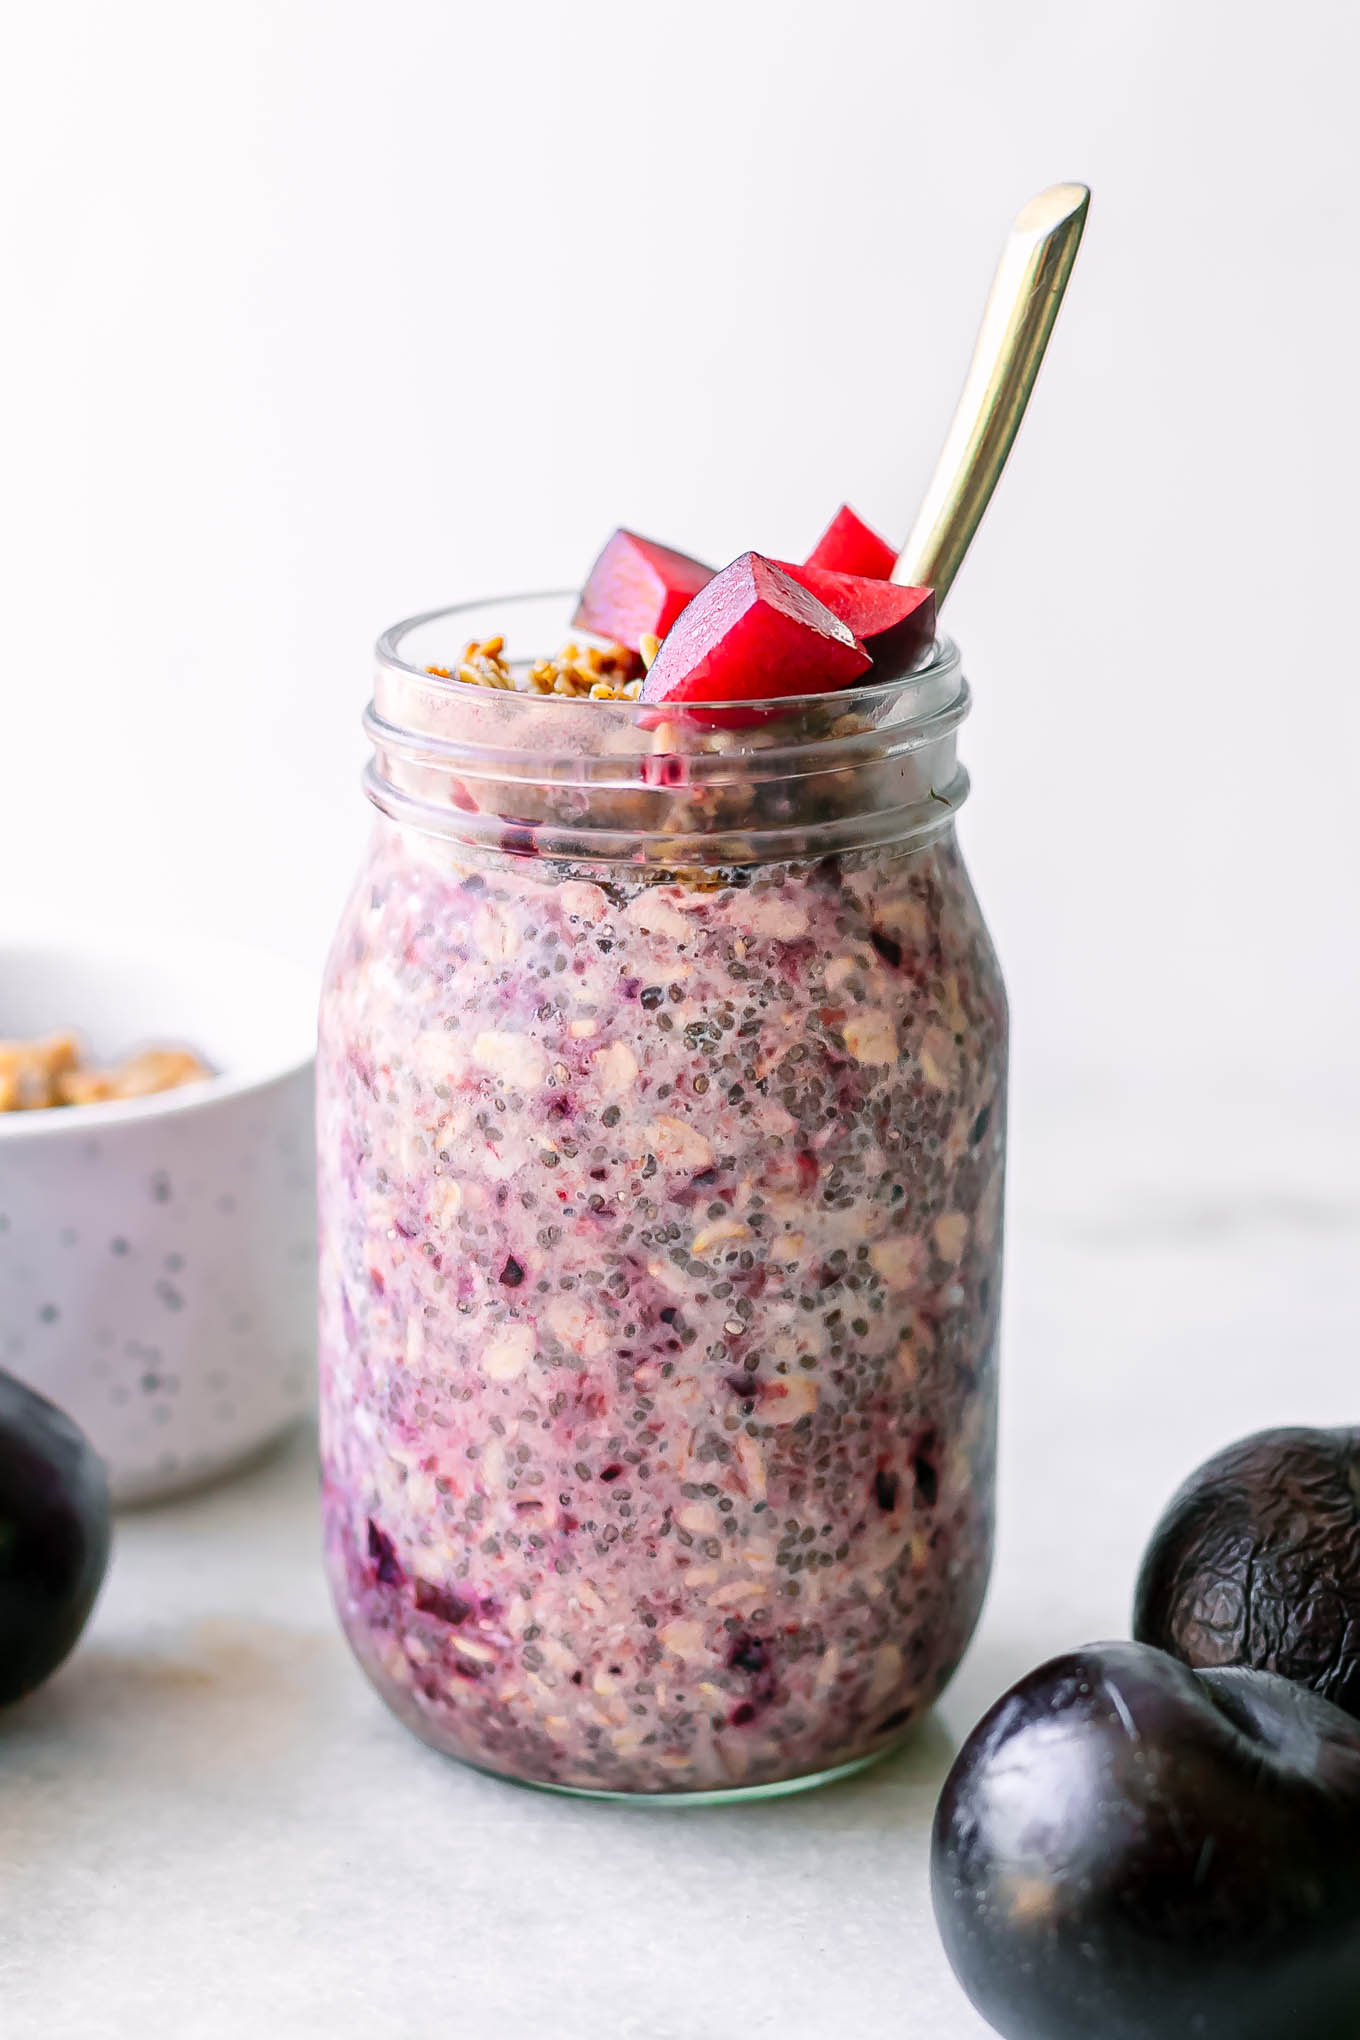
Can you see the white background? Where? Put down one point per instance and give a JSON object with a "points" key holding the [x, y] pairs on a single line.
{"points": [[317, 313]]}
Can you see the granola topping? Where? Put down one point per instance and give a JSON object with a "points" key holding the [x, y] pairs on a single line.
{"points": [[580, 672]]}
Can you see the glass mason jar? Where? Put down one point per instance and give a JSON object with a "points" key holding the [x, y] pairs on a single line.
{"points": [[662, 1119]]}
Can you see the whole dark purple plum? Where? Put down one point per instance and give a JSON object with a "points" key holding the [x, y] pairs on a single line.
{"points": [[1256, 1561], [54, 1536], [1127, 1849]]}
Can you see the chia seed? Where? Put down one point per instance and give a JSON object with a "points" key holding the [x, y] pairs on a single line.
{"points": [[501, 1346]]}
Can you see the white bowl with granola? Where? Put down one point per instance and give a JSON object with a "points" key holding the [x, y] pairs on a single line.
{"points": [[157, 1237]]}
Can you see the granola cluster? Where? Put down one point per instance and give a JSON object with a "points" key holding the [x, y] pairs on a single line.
{"points": [[52, 1071], [581, 672]]}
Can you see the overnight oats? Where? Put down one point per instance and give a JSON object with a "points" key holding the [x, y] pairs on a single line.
{"points": [[662, 1121]]}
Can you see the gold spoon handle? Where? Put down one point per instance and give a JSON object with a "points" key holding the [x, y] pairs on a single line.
{"points": [[1026, 293]]}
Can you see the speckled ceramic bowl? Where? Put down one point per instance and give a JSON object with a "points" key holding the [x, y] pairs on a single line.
{"points": [[157, 1257]]}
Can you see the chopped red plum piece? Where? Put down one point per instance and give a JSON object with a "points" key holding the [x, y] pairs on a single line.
{"points": [[895, 624], [637, 588], [848, 546], [753, 634]]}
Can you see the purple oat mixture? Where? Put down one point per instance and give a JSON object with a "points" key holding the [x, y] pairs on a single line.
{"points": [[662, 1229]]}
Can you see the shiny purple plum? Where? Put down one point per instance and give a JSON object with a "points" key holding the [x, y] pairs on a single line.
{"points": [[54, 1536], [1127, 1849]]}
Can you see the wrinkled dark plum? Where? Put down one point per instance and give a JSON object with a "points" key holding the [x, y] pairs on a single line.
{"points": [[54, 1536], [1256, 1561], [1127, 1849]]}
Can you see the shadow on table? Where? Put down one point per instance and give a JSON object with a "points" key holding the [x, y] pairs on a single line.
{"points": [[248, 1688], [898, 1790]]}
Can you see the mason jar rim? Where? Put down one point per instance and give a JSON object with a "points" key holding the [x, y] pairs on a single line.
{"points": [[943, 663], [628, 778]]}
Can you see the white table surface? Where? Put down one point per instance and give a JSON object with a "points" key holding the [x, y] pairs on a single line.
{"points": [[210, 1827]]}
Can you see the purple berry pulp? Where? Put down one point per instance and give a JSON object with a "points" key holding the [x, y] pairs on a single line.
{"points": [[661, 1232]]}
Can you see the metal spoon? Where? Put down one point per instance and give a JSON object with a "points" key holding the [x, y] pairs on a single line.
{"points": [[1025, 295]]}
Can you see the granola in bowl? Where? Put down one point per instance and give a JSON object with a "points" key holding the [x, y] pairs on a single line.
{"points": [[53, 1071]]}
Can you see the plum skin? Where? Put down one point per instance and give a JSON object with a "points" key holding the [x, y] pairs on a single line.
{"points": [[54, 1536], [1126, 1849], [1256, 1561]]}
